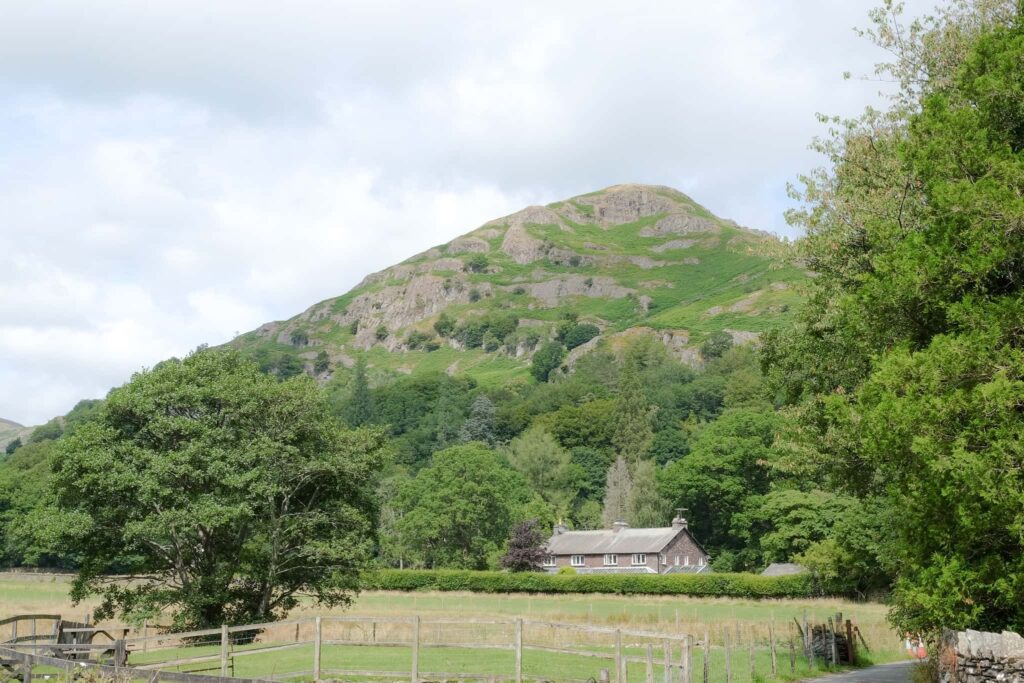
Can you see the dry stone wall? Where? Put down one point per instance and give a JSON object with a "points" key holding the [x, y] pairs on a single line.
{"points": [[978, 657]]}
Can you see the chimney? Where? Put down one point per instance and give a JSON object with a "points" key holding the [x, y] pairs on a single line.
{"points": [[619, 526], [679, 522], [559, 529]]}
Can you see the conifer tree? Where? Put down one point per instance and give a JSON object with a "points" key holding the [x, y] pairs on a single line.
{"points": [[359, 409], [618, 490], [479, 426], [632, 415]]}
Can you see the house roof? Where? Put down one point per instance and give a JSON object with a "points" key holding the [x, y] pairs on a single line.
{"points": [[602, 541], [783, 569]]}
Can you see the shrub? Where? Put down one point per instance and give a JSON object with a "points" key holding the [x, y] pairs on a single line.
{"points": [[580, 334], [476, 263], [567, 570], [474, 295], [697, 585], [353, 327], [444, 325], [381, 333], [519, 290]]}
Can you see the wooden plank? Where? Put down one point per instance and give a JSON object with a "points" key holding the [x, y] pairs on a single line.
{"points": [[707, 651], [618, 658], [771, 645], [565, 651], [649, 669], [666, 670]]}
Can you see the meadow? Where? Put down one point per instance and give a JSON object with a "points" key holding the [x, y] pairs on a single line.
{"points": [[452, 620]]}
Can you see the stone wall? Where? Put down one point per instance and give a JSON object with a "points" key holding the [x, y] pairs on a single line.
{"points": [[977, 657]]}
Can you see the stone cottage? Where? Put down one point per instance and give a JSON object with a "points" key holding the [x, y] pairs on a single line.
{"points": [[622, 550]]}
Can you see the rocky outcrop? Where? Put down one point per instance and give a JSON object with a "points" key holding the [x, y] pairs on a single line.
{"points": [[624, 204], [683, 223], [551, 292], [673, 244], [463, 245]]}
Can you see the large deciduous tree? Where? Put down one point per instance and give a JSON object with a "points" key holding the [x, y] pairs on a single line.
{"points": [[227, 492], [457, 511]]}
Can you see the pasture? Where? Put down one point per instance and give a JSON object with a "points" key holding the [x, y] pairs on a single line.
{"points": [[471, 634]]}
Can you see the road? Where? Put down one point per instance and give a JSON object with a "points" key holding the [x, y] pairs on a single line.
{"points": [[883, 673]]}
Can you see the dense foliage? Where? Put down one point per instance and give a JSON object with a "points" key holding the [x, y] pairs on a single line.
{"points": [[230, 491], [907, 370]]}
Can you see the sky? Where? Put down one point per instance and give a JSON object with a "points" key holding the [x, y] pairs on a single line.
{"points": [[174, 173]]}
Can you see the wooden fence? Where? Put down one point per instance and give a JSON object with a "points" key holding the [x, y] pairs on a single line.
{"points": [[584, 653]]}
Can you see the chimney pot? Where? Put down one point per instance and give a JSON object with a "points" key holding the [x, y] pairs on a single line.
{"points": [[680, 522], [560, 529], [619, 526]]}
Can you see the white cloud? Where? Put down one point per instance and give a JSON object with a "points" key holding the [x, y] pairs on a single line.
{"points": [[174, 172]]}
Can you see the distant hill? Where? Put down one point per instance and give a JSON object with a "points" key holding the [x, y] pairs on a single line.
{"points": [[629, 260], [11, 430]]}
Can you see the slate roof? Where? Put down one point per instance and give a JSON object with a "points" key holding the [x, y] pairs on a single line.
{"points": [[783, 569], [602, 541]]}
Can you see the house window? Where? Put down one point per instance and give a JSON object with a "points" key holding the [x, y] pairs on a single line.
{"points": [[677, 560], [611, 559], [686, 561], [576, 561], [702, 561], [549, 560], [639, 558]]}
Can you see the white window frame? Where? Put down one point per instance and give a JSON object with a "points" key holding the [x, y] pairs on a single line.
{"points": [[677, 560], [577, 561], [549, 560], [701, 560], [639, 559], [686, 560], [611, 560]]}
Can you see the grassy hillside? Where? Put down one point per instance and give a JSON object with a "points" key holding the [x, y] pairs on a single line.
{"points": [[629, 259]]}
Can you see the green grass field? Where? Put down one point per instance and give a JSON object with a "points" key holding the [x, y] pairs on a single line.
{"points": [[742, 620]]}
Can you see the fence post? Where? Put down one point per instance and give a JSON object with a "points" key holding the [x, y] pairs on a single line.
{"points": [[792, 655], [832, 642], [618, 656], [603, 676], [120, 654], [851, 646], [728, 656], [750, 646], [145, 635], [650, 664], [771, 645], [707, 652], [684, 660], [224, 650], [416, 649], [14, 631], [666, 674], [318, 641], [519, 651]]}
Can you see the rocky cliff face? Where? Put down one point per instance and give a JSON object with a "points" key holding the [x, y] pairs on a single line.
{"points": [[627, 257]]}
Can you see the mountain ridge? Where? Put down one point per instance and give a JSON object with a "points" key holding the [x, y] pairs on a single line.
{"points": [[626, 259]]}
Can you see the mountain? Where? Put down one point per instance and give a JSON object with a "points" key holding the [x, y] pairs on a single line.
{"points": [[11, 430], [628, 260]]}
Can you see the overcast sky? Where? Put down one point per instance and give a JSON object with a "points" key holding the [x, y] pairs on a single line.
{"points": [[172, 173]]}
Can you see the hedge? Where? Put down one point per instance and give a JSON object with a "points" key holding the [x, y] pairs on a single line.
{"points": [[698, 585]]}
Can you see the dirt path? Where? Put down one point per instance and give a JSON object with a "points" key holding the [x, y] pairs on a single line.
{"points": [[898, 672]]}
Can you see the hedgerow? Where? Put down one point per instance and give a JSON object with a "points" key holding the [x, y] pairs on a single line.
{"points": [[697, 585]]}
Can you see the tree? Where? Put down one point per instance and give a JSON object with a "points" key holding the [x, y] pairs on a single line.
{"points": [[479, 426], [905, 369], [477, 263], [647, 507], [632, 415], [525, 548], [381, 333], [729, 463], [617, 493], [457, 512], [715, 345], [546, 466], [232, 493], [444, 326], [546, 360], [358, 410], [580, 334], [12, 446]]}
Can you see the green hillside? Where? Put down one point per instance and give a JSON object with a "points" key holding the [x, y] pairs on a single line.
{"points": [[630, 259], [10, 430]]}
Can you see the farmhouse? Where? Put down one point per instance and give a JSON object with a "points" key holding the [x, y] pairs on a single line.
{"points": [[622, 550]]}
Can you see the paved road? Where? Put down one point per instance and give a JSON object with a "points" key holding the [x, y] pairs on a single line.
{"points": [[883, 673]]}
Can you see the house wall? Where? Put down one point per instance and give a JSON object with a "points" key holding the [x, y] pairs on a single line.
{"points": [[683, 546]]}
